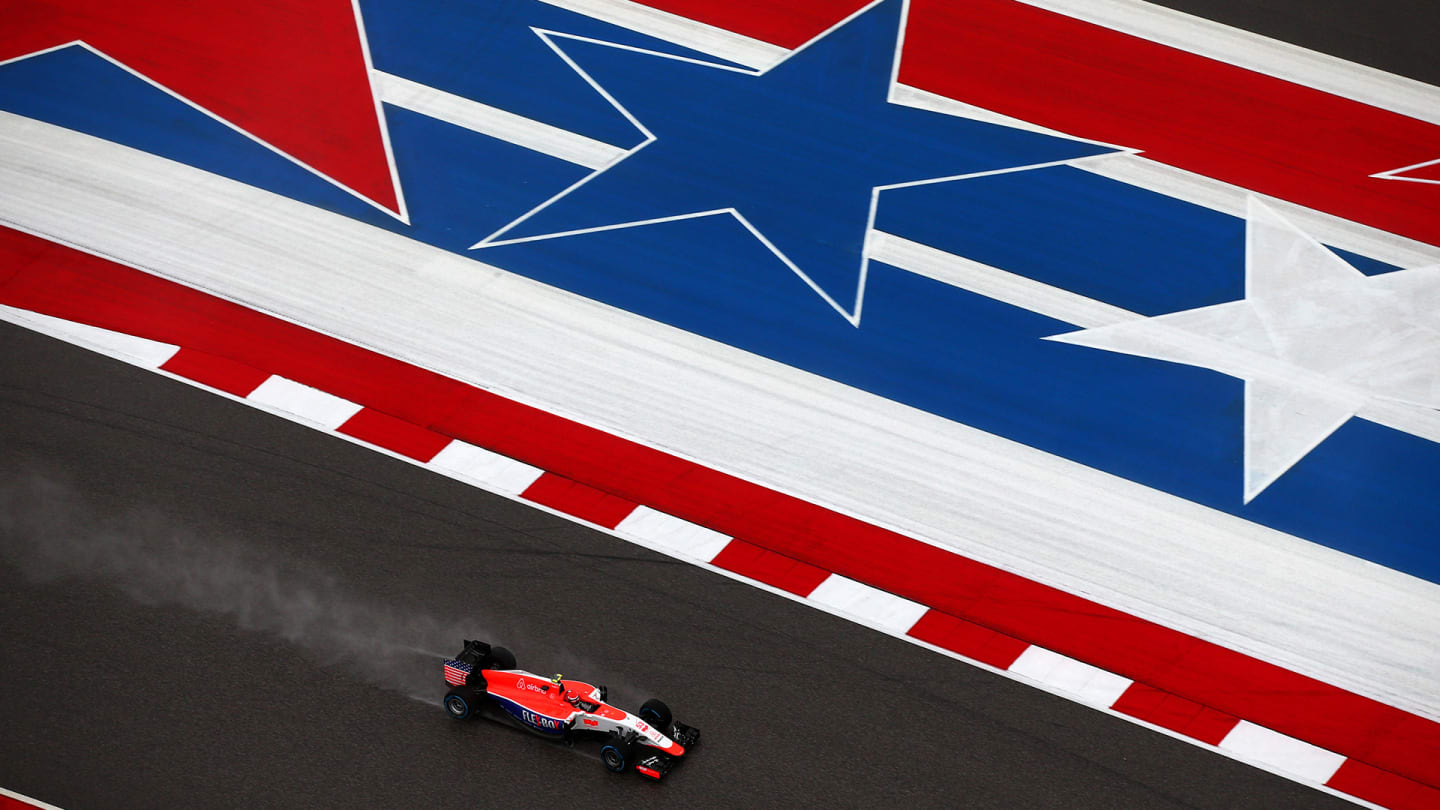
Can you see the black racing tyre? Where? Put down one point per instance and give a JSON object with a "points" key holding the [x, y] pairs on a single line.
{"points": [[461, 703], [656, 713], [501, 658], [617, 753]]}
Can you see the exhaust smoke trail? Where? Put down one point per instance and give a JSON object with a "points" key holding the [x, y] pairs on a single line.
{"points": [[50, 533]]}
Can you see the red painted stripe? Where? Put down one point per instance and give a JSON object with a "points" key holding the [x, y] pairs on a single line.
{"points": [[64, 283], [1199, 114], [579, 500], [292, 74], [216, 372], [396, 435], [7, 803], [1175, 713], [968, 639], [775, 570], [1384, 788]]}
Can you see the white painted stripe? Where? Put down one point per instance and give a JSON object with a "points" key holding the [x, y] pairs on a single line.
{"points": [[872, 606], [1226, 198], [489, 470], [993, 282], [495, 122], [674, 536], [1295, 603], [134, 350], [310, 405], [1090, 685], [1283, 753], [925, 100], [682, 31], [20, 797], [1254, 52], [934, 102]]}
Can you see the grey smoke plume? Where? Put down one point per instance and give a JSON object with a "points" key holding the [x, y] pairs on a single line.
{"points": [[50, 533]]}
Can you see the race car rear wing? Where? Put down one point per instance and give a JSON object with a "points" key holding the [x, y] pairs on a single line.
{"points": [[474, 652]]}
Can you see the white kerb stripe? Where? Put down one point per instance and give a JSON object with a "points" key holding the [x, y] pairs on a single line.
{"points": [[670, 534], [1281, 752], [495, 122], [491, 471], [874, 607], [134, 350], [308, 404], [1086, 683]]}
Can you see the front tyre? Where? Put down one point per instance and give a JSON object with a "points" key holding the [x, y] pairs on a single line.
{"points": [[460, 703], [617, 753], [656, 713]]}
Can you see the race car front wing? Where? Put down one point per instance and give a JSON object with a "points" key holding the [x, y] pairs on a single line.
{"points": [[657, 765]]}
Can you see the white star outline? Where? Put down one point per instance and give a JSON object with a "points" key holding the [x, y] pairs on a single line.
{"points": [[851, 315]]}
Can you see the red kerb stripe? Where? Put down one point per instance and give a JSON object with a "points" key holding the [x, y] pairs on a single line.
{"points": [[1384, 788], [396, 435], [216, 372], [968, 639], [579, 500], [775, 570], [1175, 713]]}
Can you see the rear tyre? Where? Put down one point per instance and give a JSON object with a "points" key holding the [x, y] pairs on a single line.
{"points": [[656, 713], [501, 658], [617, 753], [461, 703]]}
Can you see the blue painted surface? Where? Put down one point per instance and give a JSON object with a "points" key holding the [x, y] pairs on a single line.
{"points": [[796, 151], [466, 184], [1366, 490]]}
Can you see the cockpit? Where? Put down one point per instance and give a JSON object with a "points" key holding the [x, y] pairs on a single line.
{"points": [[573, 698]]}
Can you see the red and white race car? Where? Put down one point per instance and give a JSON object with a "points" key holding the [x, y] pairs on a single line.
{"points": [[650, 741]]}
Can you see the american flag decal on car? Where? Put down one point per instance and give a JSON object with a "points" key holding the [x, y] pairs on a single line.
{"points": [[456, 671]]}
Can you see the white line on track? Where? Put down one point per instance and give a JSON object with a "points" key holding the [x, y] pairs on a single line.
{"points": [[135, 350]]}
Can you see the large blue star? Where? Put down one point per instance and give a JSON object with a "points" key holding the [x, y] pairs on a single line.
{"points": [[798, 153]]}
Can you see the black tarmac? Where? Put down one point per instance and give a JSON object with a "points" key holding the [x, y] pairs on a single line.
{"points": [[203, 605]]}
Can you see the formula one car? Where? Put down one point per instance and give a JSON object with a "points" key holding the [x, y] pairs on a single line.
{"points": [[650, 741]]}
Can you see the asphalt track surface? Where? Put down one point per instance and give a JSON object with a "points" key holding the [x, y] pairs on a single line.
{"points": [[117, 693]]}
